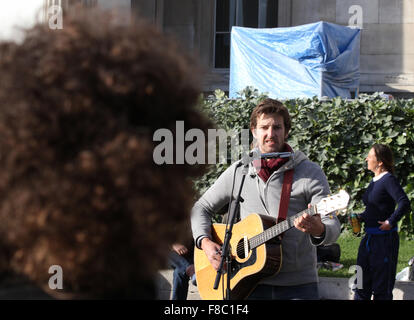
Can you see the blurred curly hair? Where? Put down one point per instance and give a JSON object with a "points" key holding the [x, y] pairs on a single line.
{"points": [[78, 184]]}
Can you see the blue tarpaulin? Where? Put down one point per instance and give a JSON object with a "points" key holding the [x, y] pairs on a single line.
{"points": [[317, 59]]}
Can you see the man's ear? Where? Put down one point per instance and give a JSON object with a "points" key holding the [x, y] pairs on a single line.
{"points": [[253, 130]]}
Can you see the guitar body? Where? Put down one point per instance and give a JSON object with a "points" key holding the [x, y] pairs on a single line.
{"points": [[249, 266]]}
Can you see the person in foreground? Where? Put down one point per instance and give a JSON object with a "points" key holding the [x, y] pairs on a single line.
{"points": [[378, 250], [298, 279], [79, 187]]}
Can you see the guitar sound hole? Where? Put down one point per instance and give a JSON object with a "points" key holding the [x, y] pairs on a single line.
{"points": [[241, 252]]}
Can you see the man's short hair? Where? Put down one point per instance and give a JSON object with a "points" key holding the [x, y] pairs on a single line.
{"points": [[270, 106]]}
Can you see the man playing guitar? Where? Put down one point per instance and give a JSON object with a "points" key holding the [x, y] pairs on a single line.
{"points": [[297, 278]]}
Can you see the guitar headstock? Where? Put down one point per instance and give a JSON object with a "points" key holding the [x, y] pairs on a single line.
{"points": [[338, 201]]}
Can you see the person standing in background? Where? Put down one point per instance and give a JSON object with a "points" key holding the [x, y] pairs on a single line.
{"points": [[378, 250]]}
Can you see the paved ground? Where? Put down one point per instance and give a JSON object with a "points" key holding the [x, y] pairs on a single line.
{"points": [[330, 288]]}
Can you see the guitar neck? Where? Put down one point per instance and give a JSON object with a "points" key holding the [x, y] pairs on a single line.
{"points": [[277, 229]]}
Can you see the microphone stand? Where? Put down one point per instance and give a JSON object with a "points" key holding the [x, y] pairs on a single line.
{"points": [[225, 254]]}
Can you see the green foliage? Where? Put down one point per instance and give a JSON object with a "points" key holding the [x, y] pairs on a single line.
{"points": [[337, 134]]}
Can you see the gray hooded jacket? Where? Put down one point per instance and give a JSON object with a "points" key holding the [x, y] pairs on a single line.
{"points": [[298, 249]]}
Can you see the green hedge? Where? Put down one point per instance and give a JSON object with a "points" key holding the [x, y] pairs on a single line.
{"points": [[337, 134]]}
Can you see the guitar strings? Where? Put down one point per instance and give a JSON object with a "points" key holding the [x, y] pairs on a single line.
{"points": [[275, 230]]}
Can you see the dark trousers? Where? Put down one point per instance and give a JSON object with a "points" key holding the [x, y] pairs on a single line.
{"points": [[180, 278], [378, 257]]}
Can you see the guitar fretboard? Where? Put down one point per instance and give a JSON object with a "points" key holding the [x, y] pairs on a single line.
{"points": [[277, 229]]}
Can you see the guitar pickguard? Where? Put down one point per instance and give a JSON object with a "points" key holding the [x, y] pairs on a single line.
{"points": [[237, 266]]}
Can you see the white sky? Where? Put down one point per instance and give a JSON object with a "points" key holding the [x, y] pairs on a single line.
{"points": [[17, 13], [24, 13]]}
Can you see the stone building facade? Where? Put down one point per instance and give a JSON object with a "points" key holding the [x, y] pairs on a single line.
{"points": [[203, 26]]}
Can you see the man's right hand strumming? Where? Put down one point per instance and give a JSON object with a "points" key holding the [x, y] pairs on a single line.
{"points": [[212, 251]]}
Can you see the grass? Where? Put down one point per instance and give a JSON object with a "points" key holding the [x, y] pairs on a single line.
{"points": [[349, 250]]}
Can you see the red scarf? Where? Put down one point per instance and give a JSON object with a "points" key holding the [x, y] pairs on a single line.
{"points": [[271, 165]]}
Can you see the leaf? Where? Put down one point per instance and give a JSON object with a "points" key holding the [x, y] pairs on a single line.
{"points": [[401, 140]]}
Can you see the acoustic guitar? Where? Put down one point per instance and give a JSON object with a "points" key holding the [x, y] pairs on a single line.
{"points": [[256, 250]]}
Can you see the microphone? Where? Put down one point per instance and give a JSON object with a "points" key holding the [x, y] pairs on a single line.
{"points": [[253, 155], [272, 155]]}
